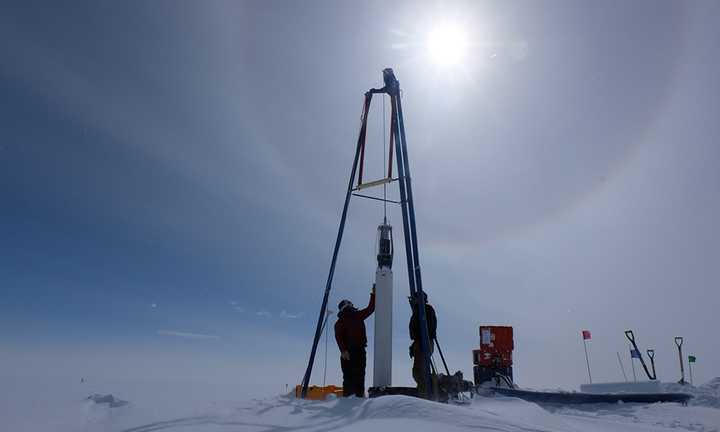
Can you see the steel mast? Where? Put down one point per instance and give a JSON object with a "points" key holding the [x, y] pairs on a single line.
{"points": [[398, 138]]}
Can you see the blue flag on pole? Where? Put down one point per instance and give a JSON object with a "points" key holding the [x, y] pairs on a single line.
{"points": [[634, 353]]}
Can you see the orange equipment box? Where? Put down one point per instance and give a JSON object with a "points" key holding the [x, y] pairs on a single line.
{"points": [[318, 392], [496, 347]]}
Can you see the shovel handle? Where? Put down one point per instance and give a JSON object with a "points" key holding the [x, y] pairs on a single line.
{"points": [[678, 341], [629, 334]]}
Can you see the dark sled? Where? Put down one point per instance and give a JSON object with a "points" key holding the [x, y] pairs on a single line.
{"points": [[374, 392], [562, 398], [460, 397]]}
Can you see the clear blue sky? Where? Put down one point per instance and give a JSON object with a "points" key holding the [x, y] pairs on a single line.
{"points": [[171, 177]]}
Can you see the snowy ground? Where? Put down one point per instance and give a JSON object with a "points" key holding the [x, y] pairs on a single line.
{"points": [[170, 409]]}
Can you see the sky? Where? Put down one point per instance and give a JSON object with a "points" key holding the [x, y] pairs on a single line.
{"points": [[172, 176]]}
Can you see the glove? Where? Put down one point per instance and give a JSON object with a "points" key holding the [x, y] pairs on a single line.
{"points": [[373, 290], [345, 355]]}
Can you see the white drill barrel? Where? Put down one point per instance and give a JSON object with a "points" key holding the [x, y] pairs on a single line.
{"points": [[382, 366]]}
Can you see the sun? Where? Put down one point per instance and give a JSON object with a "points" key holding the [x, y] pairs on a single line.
{"points": [[447, 44]]}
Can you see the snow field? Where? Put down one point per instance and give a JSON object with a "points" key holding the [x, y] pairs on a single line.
{"points": [[206, 408]]}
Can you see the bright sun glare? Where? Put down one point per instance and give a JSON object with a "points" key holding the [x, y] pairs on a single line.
{"points": [[447, 44]]}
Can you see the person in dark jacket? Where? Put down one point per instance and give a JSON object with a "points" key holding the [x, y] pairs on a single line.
{"points": [[351, 338], [416, 347]]}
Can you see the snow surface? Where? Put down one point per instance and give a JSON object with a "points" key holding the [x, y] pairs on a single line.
{"points": [[707, 394], [168, 408]]}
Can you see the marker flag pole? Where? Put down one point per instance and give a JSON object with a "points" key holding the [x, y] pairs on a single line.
{"points": [[586, 336], [622, 368], [691, 377], [632, 362], [691, 360]]}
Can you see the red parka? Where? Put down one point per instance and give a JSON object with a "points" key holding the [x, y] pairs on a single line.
{"points": [[350, 327]]}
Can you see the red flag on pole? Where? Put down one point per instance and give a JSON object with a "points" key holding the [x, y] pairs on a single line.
{"points": [[586, 336]]}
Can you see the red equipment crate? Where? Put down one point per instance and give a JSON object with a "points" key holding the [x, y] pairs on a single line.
{"points": [[496, 347]]}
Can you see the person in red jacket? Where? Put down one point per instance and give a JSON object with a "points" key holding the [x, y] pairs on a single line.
{"points": [[351, 338]]}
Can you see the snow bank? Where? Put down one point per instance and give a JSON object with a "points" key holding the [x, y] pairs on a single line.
{"points": [[706, 395]]}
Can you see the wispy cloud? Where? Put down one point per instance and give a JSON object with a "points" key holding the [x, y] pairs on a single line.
{"points": [[285, 314], [236, 306], [263, 313], [186, 334]]}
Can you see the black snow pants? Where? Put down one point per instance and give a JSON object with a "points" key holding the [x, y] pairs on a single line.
{"points": [[354, 373]]}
